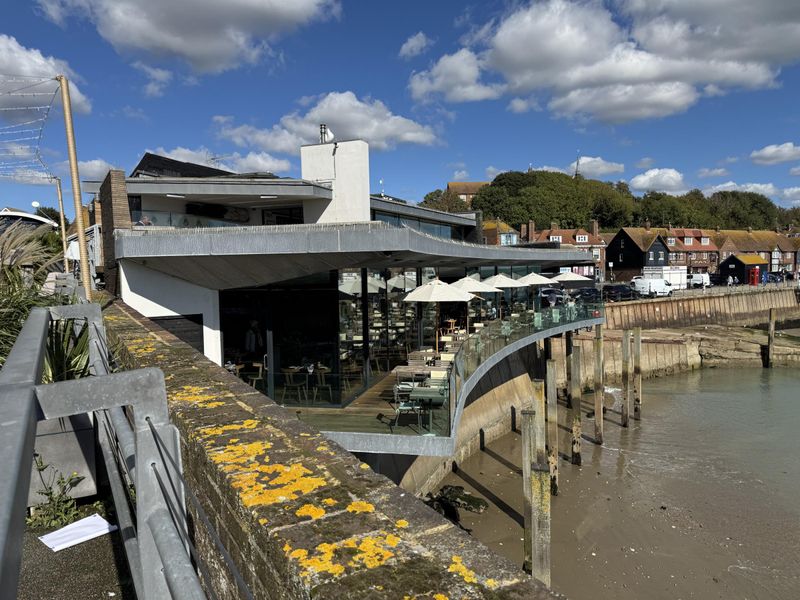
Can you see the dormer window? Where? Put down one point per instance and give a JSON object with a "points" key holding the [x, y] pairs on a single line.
{"points": [[687, 241], [704, 241], [581, 239], [555, 238], [670, 241]]}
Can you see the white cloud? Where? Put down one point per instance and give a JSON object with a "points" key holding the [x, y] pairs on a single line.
{"points": [[347, 115], [594, 166], [236, 162], [794, 171], [645, 162], [767, 189], [792, 194], [492, 172], [456, 77], [523, 105], [548, 168], [415, 45], [93, 169], [659, 180], [646, 60], [460, 175], [158, 79], [719, 172], [775, 153], [729, 160], [211, 36], [30, 63]]}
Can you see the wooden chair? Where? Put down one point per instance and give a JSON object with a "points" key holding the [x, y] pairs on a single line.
{"points": [[322, 384], [290, 383], [256, 377]]}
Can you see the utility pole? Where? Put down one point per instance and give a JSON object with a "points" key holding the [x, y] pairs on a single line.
{"points": [[62, 223], [76, 186]]}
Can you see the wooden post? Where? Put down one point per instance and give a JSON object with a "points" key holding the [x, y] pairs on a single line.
{"points": [[626, 376], [575, 387], [599, 384], [552, 425], [536, 539], [568, 346], [773, 314], [637, 372]]}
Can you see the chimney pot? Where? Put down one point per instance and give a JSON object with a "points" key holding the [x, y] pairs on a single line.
{"points": [[647, 225], [553, 224], [749, 229], [595, 228]]}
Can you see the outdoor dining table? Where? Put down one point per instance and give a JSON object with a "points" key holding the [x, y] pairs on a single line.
{"points": [[415, 372], [425, 397]]}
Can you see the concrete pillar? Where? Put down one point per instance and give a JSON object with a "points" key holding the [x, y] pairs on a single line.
{"points": [[535, 477], [637, 373], [552, 424]]}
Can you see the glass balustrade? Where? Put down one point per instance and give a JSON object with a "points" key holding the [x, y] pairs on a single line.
{"points": [[158, 218]]}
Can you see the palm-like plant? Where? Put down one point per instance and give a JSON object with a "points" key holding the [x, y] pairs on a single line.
{"points": [[23, 248]]}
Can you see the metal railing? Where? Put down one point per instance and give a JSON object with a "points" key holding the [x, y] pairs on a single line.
{"points": [[139, 445]]}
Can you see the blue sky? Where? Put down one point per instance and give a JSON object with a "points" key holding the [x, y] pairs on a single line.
{"points": [[676, 97]]}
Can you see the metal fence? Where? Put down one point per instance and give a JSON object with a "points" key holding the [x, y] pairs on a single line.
{"points": [[140, 448]]}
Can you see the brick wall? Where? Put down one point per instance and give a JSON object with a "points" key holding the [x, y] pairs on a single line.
{"points": [[300, 516], [114, 214]]}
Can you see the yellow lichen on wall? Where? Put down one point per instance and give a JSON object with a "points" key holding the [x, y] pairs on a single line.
{"points": [[359, 506], [194, 394], [235, 454], [459, 568], [289, 483], [205, 432], [371, 552], [401, 524], [309, 510]]}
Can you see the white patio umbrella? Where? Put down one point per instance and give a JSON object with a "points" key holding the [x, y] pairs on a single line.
{"points": [[570, 276], [402, 282], [352, 287], [437, 291], [535, 279], [503, 282], [474, 286]]}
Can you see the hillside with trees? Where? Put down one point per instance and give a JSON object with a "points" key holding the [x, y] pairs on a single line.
{"points": [[543, 196]]}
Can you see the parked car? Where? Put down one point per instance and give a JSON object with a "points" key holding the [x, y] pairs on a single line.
{"points": [[619, 292], [782, 275], [589, 295], [698, 280], [551, 295], [651, 287], [718, 279]]}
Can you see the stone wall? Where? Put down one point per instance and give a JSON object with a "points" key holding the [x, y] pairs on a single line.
{"points": [[745, 307], [114, 214], [300, 516]]}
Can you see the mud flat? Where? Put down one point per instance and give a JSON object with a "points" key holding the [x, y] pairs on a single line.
{"points": [[697, 500]]}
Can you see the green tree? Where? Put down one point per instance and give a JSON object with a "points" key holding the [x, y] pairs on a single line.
{"points": [[447, 201], [51, 213]]}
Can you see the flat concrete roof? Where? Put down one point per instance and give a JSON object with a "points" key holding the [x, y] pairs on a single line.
{"points": [[235, 257], [220, 186], [421, 212]]}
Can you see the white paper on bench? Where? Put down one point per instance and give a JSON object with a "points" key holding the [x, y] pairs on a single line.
{"points": [[77, 532]]}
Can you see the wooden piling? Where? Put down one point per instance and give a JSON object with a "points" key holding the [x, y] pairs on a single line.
{"points": [[552, 424], [568, 347], [536, 538], [773, 316], [599, 384], [575, 392], [637, 373], [626, 376]]}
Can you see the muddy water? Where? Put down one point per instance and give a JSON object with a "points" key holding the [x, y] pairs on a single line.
{"points": [[699, 499]]}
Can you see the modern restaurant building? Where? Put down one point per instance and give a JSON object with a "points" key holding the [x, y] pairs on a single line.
{"points": [[305, 277]]}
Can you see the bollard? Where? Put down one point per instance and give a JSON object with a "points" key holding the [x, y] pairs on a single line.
{"points": [[536, 538], [626, 376], [637, 372], [552, 425], [575, 387], [599, 384]]}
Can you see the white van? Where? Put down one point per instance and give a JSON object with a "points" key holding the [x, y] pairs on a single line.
{"points": [[699, 280], [651, 287]]}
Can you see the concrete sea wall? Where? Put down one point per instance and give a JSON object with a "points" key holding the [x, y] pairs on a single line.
{"points": [[300, 516]]}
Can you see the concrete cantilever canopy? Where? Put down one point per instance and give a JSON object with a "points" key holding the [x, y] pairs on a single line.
{"points": [[235, 257]]}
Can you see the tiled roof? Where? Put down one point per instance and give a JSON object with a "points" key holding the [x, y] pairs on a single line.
{"points": [[751, 259], [466, 187], [569, 236], [500, 226], [755, 241]]}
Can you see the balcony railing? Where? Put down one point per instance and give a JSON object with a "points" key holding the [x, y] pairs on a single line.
{"points": [[477, 354], [160, 218]]}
